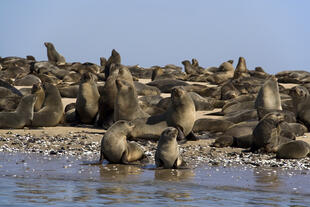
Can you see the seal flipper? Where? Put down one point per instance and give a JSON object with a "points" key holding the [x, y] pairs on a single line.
{"points": [[178, 162], [181, 137], [192, 137]]}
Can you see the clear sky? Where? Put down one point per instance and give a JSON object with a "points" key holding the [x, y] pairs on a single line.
{"points": [[274, 34]]}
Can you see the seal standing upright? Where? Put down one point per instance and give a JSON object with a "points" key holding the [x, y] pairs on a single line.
{"points": [[53, 56], [38, 90], [87, 101], [167, 154], [52, 112]]}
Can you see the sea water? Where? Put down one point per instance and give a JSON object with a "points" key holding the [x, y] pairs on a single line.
{"points": [[45, 180]]}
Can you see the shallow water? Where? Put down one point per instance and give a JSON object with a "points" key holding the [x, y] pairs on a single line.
{"points": [[38, 180]]}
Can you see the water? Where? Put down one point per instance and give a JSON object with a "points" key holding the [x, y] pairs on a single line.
{"points": [[38, 180]]}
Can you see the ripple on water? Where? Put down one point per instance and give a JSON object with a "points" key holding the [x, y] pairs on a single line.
{"points": [[36, 180]]}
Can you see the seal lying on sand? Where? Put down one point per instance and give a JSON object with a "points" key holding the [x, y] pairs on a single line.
{"points": [[167, 154], [293, 150], [22, 116], [114, 146]]}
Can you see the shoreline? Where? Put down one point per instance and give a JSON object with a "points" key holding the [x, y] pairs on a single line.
{"points": [[84, 141]]}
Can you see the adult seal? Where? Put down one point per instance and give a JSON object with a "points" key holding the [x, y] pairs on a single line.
{"points": [[53, 56], [181, 114], [126, 103], [167, 154], [293, 150], [87, 102], [114, 145], [22, 116], [52, 112]]}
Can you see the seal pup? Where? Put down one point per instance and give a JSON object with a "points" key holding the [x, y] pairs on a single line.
{"points": [[53, 56], [38, 90], [22, 116], [268, 96], [52, 112], [114, 145], [293, 150], [87, 102], [126, 105], [167, 154]]}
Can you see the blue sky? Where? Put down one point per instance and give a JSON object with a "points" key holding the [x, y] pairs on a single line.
{"points": [[274, 34]]}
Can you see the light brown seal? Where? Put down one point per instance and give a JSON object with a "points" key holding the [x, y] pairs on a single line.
{"points": [[167, 154], [22, 116], [53, 56], [293, 150], [38, 90], [114, 146], [87, 102], [52, 112]]}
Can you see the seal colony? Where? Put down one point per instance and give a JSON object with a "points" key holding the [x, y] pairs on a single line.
{"points": [[257, 114]]}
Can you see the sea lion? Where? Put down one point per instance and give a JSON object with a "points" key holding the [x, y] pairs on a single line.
{"points": [[87, 102], [267, 132], [268, 96], [126, 106], [22, 116], [53, 56], [52, 112], [181, 115], [38, 90], [114, 146], [167, 154], [293, 150]]}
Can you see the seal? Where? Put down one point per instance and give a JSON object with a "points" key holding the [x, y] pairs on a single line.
{"points": [[268, 96], [87, 102], [52, 112], [267, 132], [181, 114], [53, 56], [167, 154], [293, 150], [38, 90], [126, 105], [22, 116], [241, 69], [224, 72], [301, 101], [115, 58], [114, 146]]}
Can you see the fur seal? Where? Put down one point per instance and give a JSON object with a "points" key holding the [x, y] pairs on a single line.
{"points": [[192, 69], [211, 125], [268, 96], [115, 58], [166, 85], [53, 56], [293, 150], [52, 112], [126, 105], [87, 102], [38, 90], [181, 114], [22, 116], [114, 146], [267, 132], [27, 80], [224, 72], [167, 154], [241, 69], [301, 101]]}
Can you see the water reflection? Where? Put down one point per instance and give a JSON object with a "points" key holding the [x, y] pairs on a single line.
{"points": [[174, 175], [267, 179], [118, 172]]}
